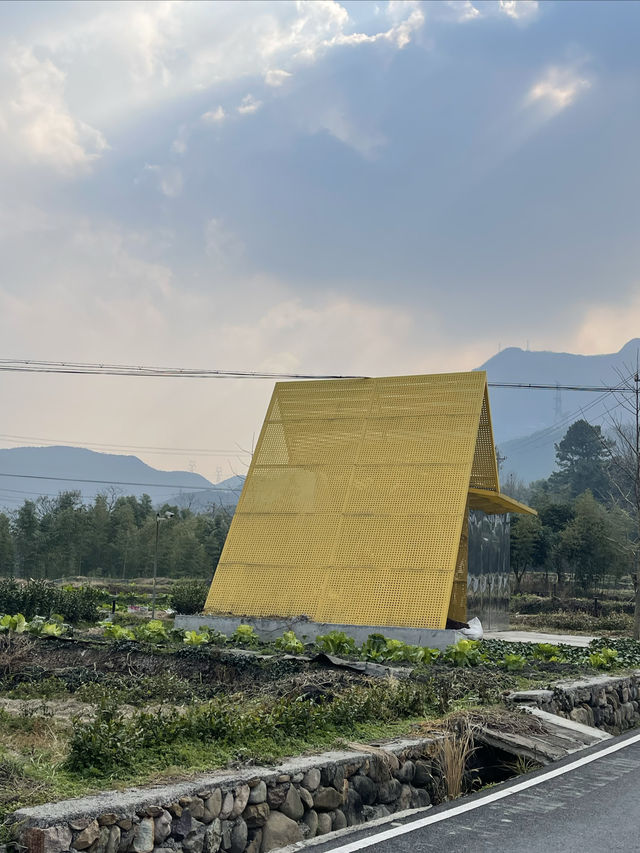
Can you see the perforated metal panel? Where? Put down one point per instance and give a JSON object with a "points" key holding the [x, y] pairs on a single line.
{"points": [[353, 507]]}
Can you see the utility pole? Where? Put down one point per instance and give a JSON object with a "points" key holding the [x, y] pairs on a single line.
{"points": [[636, 485], [165, 517]]}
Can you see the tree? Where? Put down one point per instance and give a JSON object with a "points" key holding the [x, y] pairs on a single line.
{"points": [[588, 543], [528, 545], [625, 469], [581, 459], [26, 532], [7, 549]]}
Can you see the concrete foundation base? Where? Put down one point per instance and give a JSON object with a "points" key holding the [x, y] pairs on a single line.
{"points": [[269, 629]]}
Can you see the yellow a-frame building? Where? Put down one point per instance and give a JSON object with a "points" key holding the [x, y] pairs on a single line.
{"points": [[355, 506]]}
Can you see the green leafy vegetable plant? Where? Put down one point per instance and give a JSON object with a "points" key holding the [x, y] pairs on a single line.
{"points": [[513, 663], [245, 635], [464, 653], [604, 659], [336, 643], [289, 643], [15, 624], [193, 638], [152, 631], [117, 632]]}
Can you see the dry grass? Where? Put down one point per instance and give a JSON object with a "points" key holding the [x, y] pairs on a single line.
{"points": [[452, 753]]}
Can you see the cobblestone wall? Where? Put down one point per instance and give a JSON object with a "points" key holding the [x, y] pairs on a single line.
{"points": [[254, 811], [606, 702]]}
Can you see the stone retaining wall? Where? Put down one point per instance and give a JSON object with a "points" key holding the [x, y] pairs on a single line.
{"points": [[606, 702], [251, 811]]}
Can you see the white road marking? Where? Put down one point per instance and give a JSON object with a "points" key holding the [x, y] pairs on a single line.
{"points": [[370, 840]]}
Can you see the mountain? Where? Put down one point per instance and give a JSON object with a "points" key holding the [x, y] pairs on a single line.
{"points": [[49, 470], [527, 423], [224, 494]]}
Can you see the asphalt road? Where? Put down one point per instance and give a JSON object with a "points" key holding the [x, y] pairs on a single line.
{"points": [[568, 807]]}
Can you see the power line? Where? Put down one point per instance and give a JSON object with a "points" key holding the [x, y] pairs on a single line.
{"points": [[96, 369], [16, 439], [33, 366], [190, 488]]}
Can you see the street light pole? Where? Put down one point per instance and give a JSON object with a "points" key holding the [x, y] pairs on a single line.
{"points": [[167, 515]]}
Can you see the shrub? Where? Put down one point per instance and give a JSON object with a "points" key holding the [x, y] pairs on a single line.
{"points": [[103, 745], [75, 604], [111, 742], [188, 596]]}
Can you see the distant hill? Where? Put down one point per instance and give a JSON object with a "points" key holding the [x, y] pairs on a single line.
{"points": [[527, 423], [41, 463], [224, 494]]}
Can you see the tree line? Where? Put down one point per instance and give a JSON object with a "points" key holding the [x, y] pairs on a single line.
{"points": [[112, 537], [586, 530]]}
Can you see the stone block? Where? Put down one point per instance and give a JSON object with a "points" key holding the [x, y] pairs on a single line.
{"points": [[277, 795], [258, 793], [338, 820], [107, 819], [143, 836], [306, 797], [327, 799], [89, 834], [53, 839], [256, 815], [100, 844], [406, 772], [113, 842], [227, 805], [389, 791], [240, 801], [196, 808], [366, 788], [324, 823], [213, 837], [311, 779], [311, 821], [162, 826], [292, 806], [279, 831], [212, 806], [239, 836]]}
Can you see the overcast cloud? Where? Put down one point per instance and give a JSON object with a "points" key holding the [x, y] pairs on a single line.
{"points": [[368, 188]]}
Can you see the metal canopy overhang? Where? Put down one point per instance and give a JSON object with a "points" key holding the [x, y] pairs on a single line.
{"points": [[495, 503]]}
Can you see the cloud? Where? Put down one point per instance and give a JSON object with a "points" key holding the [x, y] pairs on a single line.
{"points": [[557, 89], [463, 10], [214, 116], [179, 144], [519, 10], [221, 244], [276, 77], [249, 105], [170, 181], [605, 327], [35, 121]]}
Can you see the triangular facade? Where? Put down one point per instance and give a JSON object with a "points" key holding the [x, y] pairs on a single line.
{"points": [[355, 505]]}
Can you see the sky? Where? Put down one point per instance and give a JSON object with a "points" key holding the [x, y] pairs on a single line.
{"points": [[319, 187]]}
